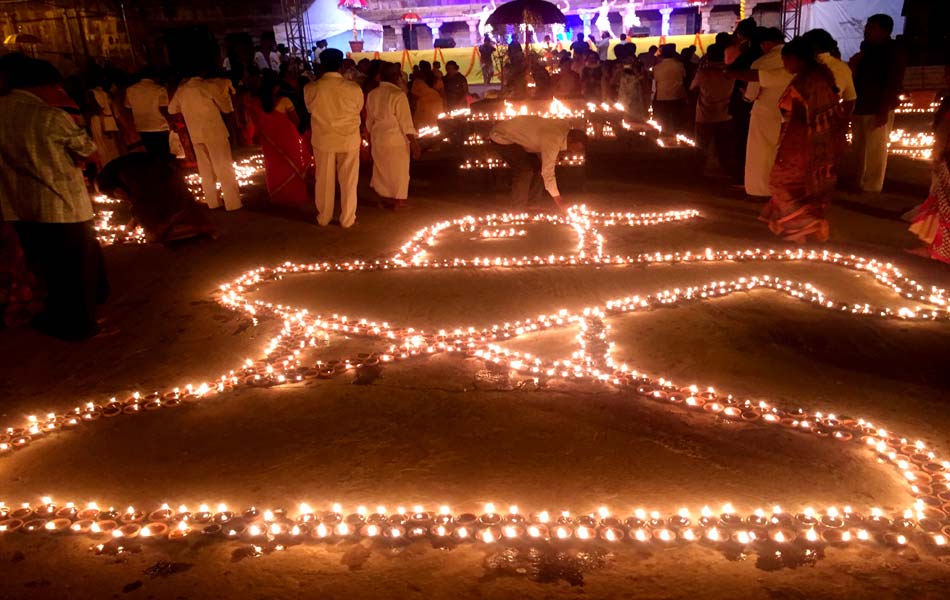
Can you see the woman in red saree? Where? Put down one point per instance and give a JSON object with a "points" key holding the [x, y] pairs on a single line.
{"points": [[932, 223], [803, 177], [287, 155]]}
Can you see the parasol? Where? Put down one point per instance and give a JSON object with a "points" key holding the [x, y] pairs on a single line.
{"points": [[410, 18], [21, 38], [535, 12]]}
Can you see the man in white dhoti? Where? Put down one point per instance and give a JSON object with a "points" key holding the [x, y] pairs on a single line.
{"points": [[769, 79], [392, 136], [335, 104], [198, 103]]}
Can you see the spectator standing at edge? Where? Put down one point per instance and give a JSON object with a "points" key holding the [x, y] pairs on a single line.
{"points": [[768, 80], [669, 102], [335, 105], [456, 87], [43, 193], [486, 55], [878, 76], [826, 48], [392, 135], [603, 46], [739, 55], [148, 101], [197, 102], [713, 122]]}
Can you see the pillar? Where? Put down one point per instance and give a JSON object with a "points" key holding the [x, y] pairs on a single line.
{"points": [[705, 12], [586, 18], [434, 27], [399, 42], [665, 27], [473, 33]]}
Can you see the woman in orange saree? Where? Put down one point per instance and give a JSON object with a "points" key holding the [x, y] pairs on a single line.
{"points": [[287, 155], [803, 177]]}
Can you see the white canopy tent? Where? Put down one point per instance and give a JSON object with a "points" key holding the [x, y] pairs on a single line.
{"points": [[335, 25]]}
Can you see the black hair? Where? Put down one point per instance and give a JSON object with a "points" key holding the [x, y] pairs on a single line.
{"points": [[715, 53], [746, 27], [390, 72], [800, 49], [770, 34], [266, 92], [35, 73], [331, 60], [820, 40], [883, 21]]}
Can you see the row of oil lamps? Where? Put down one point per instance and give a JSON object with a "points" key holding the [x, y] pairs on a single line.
{"points": [[928, 478], [808, 528]]}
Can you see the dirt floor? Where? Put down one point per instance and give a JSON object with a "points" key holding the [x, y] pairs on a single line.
{"points": [[427, 432]]}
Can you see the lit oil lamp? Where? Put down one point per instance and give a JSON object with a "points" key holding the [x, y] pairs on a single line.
{"points": [[58, 525], [154, 530], [132, 516], [10, 525], [162, 514], [34, 525], [179, 532]]}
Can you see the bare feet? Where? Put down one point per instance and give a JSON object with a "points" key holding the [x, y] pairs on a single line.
{"points": [[919, 251]]}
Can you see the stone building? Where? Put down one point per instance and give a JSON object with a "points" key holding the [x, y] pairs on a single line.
{"points": [[460, 20]]}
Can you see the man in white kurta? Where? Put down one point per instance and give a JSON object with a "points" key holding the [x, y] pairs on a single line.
{"points": [[197, 101], [391, 134], [335, 104], [765, 124]]}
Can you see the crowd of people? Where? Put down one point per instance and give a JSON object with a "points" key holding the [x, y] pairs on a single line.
{"points": [[775, 114]]}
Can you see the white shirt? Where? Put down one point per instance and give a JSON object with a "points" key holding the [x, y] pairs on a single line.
{"points": [[547, 137], [334, 104], [259, 61], [198, 103], [843, 78], [773, 79], [603, 47], [670, 75], [146, 98], [223, 89], [39, 179], [388, 117]]}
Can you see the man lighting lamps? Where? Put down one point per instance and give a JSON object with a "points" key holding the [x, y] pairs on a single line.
{"points": [[531, 145]]}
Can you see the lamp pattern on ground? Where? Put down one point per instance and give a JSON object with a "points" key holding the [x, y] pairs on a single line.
{"points": [[283, 361]]}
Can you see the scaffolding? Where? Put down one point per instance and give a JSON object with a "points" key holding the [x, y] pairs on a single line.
{"points": [[791, 17], [296, 26]]}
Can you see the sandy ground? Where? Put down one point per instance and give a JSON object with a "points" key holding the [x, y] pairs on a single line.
{"points": [[423, 433]]}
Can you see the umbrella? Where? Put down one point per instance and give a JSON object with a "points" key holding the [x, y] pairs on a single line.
{"points": [[410, 18], [535, 12], [21, 38]]}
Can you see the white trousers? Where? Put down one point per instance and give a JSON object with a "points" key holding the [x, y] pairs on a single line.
{"points": [[333, 167], [765, 127], [870, 146], [215, 166], [391, 171]]}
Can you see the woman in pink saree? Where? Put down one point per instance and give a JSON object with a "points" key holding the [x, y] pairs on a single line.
{"points": [[803, 177], [287, 155]]}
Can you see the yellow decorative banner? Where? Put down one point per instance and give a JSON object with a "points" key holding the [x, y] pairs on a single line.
{"points": [[469, 61]]}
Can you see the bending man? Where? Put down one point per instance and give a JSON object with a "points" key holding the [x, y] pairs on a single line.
{"points": [[531, 145]]}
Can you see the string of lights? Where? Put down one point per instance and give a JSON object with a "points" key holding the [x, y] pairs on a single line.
{"points": [[284, 361]]}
